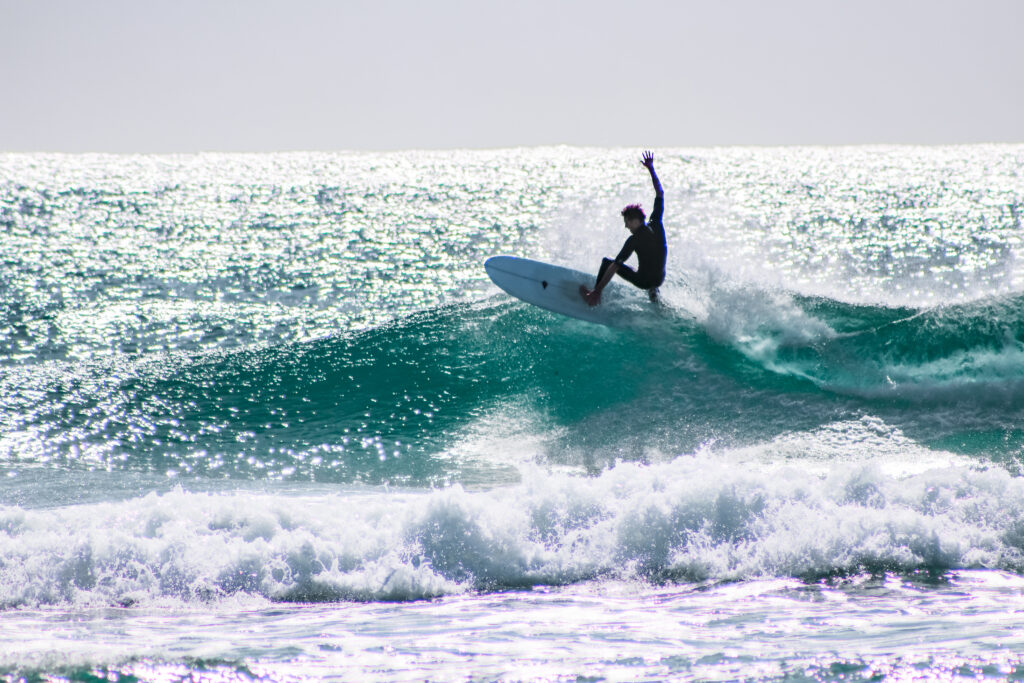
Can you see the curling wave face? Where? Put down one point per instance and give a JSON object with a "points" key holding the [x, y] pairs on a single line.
{"points": [[436, 397]]}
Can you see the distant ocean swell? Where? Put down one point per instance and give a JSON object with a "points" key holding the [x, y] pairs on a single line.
{"points": [[700, 518]]}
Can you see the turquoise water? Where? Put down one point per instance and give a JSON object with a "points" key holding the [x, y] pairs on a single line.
{"points": [[265, 416]]}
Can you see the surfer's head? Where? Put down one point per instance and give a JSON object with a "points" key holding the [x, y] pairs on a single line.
{"points": [[633, 216]]}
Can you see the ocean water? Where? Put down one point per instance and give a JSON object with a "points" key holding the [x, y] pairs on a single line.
{"points": [[265, 417]]}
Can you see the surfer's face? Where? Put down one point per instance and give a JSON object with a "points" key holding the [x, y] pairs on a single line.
{"points": [[634, 223]]}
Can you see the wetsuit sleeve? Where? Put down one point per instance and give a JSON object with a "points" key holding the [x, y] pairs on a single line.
{"points": [[627, 249], [656, 215]]}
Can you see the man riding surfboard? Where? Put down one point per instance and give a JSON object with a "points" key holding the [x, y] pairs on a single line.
{"points": [[647, 240]]}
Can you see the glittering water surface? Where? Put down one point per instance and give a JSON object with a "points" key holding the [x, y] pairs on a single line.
{"points": [[265, 416], [756, 630], [220, 251]]}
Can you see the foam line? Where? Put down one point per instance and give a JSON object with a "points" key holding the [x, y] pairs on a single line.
{"points": [[705, 517]]}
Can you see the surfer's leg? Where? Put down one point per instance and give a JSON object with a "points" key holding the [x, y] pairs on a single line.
{"points": [[630, 276], [605, 264], [639, 280]]}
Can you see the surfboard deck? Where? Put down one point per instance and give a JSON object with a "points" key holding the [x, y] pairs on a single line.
{"points": [[555, 288]]}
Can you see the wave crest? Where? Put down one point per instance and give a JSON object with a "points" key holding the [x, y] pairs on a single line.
{"points": [[698, 518]]}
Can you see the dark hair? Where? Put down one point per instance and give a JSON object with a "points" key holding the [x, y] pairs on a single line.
{"points": [[634, 211]]}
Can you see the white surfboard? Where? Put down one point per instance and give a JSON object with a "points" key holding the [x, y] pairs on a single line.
{"points": [[556, 289]]}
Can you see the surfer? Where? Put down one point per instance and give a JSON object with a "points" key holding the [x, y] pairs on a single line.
{"points": [[647, 240]]}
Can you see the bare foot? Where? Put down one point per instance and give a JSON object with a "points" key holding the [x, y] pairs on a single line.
{"points": [[592, 297]]}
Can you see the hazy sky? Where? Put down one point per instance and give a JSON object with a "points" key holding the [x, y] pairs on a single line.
{"points": [[256, 75]]}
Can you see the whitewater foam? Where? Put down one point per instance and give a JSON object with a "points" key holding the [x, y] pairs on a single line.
{"points": [[709, 516]]}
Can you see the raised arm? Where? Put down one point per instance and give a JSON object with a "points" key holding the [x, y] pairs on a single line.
{"points": [[648, 162]]}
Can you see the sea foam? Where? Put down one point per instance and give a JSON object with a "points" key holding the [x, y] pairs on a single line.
{"points": [[707, 516]]}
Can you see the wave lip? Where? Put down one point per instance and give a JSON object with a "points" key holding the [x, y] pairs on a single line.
{"points": [[704, 517], [969, 351]]}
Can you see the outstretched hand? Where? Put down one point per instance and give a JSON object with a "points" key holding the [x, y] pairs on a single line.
{"points": [[648, 160]]}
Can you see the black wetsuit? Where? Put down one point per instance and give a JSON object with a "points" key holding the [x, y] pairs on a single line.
{"points": [[651, 252]]}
